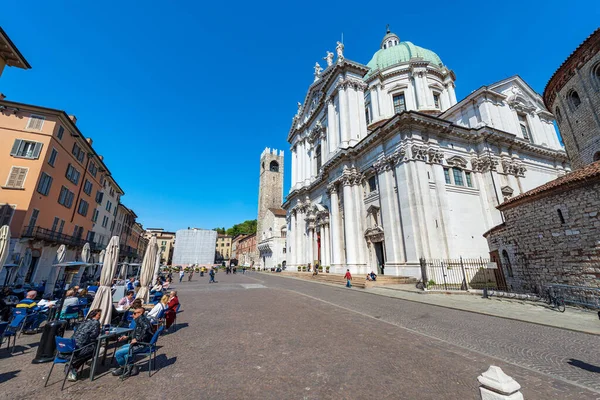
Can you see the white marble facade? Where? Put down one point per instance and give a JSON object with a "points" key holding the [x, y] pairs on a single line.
{"points": [[388, 168]]}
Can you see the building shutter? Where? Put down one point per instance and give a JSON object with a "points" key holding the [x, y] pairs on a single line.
{"points": [[36, 150], [21, 177], [16, 146]]}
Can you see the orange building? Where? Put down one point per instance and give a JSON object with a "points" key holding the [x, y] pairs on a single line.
{"points": [[246, 250], [49, 177]]}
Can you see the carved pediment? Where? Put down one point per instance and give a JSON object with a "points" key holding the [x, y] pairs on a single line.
{"points": [[374, 234], [373, 209], [457, 161], [507, 191]]}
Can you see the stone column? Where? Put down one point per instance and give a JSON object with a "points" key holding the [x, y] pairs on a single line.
{"points": [[359, 213], [335, 227], [294, 166], [390, 215], [324, 151], [350, 220], [309, 164], [322, 233], [332, 131], [343, 113], [291, 239], [360, 98], [375, 104], [310, 240], [326, 245], [300, 163], [300, 256]]}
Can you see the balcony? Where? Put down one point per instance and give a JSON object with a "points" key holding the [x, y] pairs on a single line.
{"points": [[39, 233]]}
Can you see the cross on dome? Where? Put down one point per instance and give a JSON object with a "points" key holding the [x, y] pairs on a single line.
{"points": [[390, 39]]}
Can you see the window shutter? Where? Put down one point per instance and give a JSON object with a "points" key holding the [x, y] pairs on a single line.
{"points": [[21, 177], [37, 149], [16, 146], [12, 178]]}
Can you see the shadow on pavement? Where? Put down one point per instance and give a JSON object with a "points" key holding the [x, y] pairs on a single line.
{"points": [[19, 350], [584, 365], [162, 361], [180, 325], [7, 376]]}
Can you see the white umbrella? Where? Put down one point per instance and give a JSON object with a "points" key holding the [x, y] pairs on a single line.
{"points": [[101, 256], [61, 253], [4, 245], [103, 298], [85, 253], [147, 271], [157, 266]]}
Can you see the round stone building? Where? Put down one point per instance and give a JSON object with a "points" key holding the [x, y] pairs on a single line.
{"points": [[573, 95]]}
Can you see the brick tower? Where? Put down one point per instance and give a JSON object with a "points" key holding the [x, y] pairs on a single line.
{"points": [[270, 190]]}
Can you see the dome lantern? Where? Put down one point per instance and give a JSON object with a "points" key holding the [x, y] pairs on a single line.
{"points": [[390, 39]]}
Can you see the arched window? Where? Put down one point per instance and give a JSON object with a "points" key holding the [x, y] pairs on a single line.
{"points": [[506, 263], [597, 156], [596, 75], [385, 46], [558, 114], [318, 157], [574, 100], [274, 166]]}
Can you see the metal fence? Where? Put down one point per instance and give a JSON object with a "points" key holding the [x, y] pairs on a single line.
{"points": [[582, 296], [461, 274]]}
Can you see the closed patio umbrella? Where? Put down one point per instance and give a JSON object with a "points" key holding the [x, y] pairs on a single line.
{"points": [[103, 298], [157, 265], [61, 253], [4, 245], [85, 253], [25, 264], [147, 272]]}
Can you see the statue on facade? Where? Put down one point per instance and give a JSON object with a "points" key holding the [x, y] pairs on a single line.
{"points": [[340, 51], [318, 70], [329, 58]]}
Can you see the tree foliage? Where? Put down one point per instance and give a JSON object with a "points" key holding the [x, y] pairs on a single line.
{"points": [[220, 231], [247, 227]]}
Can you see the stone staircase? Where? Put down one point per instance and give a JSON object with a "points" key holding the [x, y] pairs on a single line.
{"points": [[358, 281]]}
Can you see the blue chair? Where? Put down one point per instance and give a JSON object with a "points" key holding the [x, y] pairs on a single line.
{"points": [[67, 349], [19, 311], [71, 313], [149, 350], [13, 328]]}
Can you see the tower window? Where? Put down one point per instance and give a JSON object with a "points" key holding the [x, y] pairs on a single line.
{"points": [[399, 103], [574, 99], [596, 75], [274, 166], [372, 184]]}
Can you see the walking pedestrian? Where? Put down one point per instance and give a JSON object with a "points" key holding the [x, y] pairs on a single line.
{"points": [[181, 274], [190, 275], [212, 276], [348, 277]]}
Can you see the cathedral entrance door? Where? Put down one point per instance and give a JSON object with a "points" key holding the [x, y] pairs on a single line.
{"points": [[379, 255]]}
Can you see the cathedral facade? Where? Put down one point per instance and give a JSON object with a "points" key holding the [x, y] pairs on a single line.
{"points": [[388, 168]]}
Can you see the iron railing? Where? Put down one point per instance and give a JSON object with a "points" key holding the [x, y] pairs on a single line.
{"points": [[582, 296], [461, 274], [37, 232]]}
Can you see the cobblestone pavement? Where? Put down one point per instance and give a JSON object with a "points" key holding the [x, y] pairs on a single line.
{"points": [[265, 337]]}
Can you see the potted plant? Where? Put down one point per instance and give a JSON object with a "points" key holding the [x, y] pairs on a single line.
{"points": [[320, 268], [327, 269]]}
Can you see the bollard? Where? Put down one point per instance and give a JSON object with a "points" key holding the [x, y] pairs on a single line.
{"points": [[496, 385]]}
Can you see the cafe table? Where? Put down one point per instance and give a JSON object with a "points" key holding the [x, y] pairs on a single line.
{"points": [[113, 332]]}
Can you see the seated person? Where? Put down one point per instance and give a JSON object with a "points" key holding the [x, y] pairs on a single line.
{"points": [[158, 308], [130, 284], [86, 333], [141, 333], [158, 287], [373, 276], [70, 300], [35, 313], [172, 305], [126, 301]]}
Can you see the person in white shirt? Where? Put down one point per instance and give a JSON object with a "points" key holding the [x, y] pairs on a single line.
{"points": [[158, 308], [181, 274]]}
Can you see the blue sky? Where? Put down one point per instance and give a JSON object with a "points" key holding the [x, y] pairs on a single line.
{"points": [[201, 88]]}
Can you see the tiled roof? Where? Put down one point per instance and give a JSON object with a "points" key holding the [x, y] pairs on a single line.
{"points": [[280, 212], [589, 173]]}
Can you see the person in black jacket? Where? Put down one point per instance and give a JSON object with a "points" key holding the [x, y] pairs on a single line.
{"points": [[141, 333], [86, 334]]}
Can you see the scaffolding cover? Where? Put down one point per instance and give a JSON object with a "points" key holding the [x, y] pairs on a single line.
{"points": [[194, 246]]}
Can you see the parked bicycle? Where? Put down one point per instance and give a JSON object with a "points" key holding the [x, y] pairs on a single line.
{"points": [[556, 301]]}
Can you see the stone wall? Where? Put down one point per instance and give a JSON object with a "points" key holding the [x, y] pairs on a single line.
{"points": [[579, 124], [552, 239]]}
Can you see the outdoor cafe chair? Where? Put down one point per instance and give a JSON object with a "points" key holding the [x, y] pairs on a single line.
{"points": [[174, 325], [67, 349], [71, 313], [13, 329], [149, 350]]}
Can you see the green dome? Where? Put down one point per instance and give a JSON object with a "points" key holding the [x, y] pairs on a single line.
{"points": [[399, 54]]}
